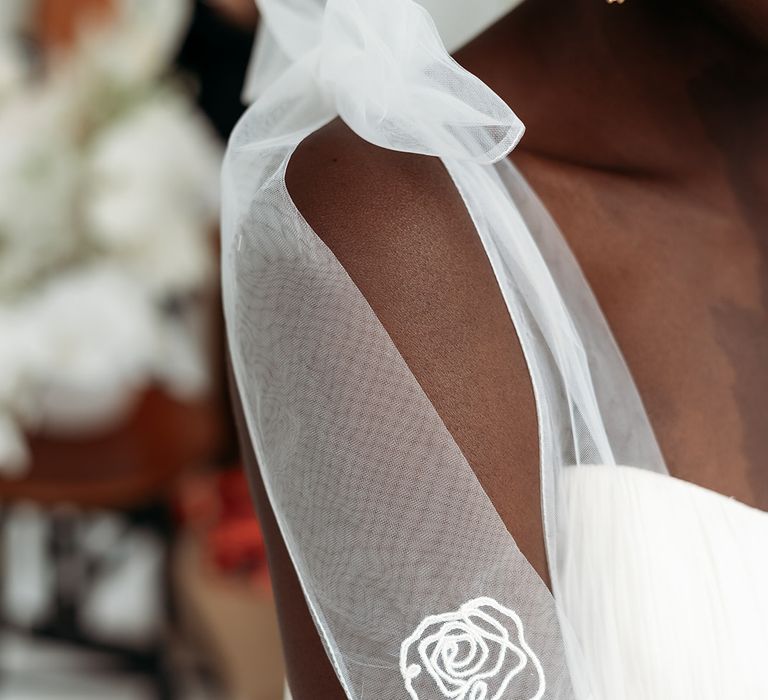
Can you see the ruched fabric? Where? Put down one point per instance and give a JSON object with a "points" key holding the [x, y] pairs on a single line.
{"points": [[670, 600]]}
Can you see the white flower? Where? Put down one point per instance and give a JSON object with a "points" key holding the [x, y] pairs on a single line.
{"points": [[477, 652], [152, 193], [137, 45], [84, 344], [109, 195], [39, 171], [78, 352]]}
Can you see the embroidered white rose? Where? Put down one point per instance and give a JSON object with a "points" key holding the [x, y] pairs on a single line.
{"points": [[477, 652]]}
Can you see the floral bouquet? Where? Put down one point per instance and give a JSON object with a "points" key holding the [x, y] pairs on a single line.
{"points": [[108, 198]]}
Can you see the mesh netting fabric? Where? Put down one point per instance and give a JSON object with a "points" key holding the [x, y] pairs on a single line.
{"points": [[414, 583]]}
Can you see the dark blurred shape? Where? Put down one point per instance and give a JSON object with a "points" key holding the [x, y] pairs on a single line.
{"points": [[216, 51]]}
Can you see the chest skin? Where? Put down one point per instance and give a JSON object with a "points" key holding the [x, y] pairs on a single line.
{"points": [[660, 187], [683, 283]]}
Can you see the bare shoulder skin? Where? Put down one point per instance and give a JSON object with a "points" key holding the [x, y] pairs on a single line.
{"points": [[400, 229], [647, 134]]}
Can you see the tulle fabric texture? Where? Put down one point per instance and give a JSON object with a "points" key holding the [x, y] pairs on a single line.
{"points": [[415, 585]]}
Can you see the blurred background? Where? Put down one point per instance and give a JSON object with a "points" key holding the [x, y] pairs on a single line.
{"points": [[131, 563]]}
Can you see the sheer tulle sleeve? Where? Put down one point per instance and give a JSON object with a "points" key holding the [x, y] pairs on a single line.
{"points": [[415, 585]]}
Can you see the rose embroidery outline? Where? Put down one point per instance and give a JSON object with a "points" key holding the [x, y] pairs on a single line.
{"points": [[469, 654]]}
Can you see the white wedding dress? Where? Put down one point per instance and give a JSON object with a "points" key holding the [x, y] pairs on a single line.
{"points": [[671, 600], [659, 588], [666, 586]]}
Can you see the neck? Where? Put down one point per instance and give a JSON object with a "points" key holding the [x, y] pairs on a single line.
{"points": [[646, 87]]}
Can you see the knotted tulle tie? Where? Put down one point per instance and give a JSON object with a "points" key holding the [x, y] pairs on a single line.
{"points": [[383, 68]]}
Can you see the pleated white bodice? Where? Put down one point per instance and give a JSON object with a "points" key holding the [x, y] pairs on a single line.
{"points": [[666, 586]]}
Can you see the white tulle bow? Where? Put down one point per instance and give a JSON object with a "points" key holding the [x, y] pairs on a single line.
{"points": [[383, 68]]}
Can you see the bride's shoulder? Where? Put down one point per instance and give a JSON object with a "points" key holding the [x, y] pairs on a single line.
{"points": [[400, 228], [356, 195]]}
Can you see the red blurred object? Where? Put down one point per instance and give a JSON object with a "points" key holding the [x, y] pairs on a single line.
{"points": [[235, 495], [58, 21], [237, 544], [218, 507]]}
